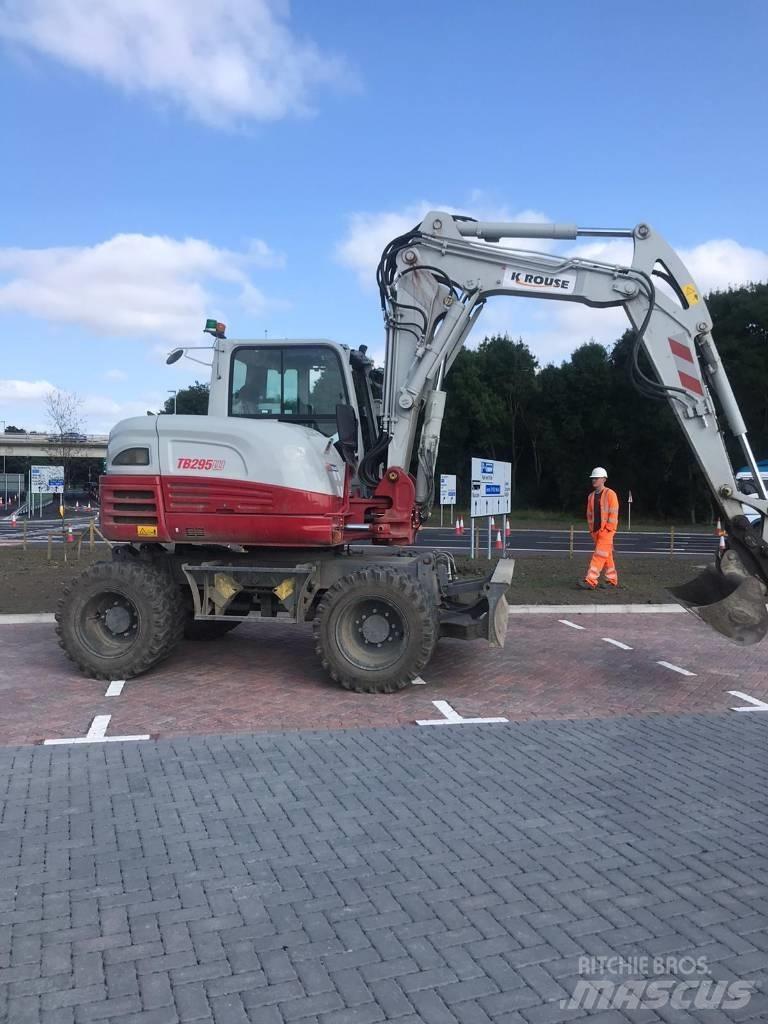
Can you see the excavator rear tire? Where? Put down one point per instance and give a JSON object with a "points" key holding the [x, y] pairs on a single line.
{"points": [[375, 630], [118, 619]]}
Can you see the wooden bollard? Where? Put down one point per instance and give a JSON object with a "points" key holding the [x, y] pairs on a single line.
{"points": [[570, 542], [50, 546], [671, 540], [90, 536], [24, 533]]}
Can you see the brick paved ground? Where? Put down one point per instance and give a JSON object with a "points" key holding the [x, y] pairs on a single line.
{"points": [[267, 677], [350, 877]]}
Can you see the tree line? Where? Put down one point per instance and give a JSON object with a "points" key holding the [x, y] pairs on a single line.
{"points": [[555, 423]]}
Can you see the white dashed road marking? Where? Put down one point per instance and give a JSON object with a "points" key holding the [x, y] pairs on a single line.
{"points": [[418, 681], [616, 643], [115, 688], [754, 703], [452, 717], [96, 734], [573, 625], [676, 668]]}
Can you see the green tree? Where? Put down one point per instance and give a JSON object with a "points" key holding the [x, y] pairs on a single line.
{"points": [[508, 372], [190, 401]]}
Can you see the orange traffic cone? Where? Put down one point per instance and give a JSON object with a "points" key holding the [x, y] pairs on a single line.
{"points": [[493, 523], [458, 527], [70, 535], [507, 529], [462, 526], [77, 505], [499, 545], [13, 519]]}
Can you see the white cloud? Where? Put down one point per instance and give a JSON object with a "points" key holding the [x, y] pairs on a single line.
{"points": [[131, 285], [115, 375], [24, 390], [368, 233], [723, 263], [221, 61]]}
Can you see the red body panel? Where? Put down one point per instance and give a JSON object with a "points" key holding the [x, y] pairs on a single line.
{"points": [[191, 509]]}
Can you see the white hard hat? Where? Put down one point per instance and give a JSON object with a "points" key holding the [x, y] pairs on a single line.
{"points": [[598, 471]]}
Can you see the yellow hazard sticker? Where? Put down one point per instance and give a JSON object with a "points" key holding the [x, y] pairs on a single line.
{"points": [[691, 294], [147, 531]]}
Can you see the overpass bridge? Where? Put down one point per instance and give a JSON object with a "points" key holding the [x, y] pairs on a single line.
{"points": [[92, 446]]}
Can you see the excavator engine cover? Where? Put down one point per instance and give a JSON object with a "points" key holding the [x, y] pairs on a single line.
{"points": [[732, 604]]}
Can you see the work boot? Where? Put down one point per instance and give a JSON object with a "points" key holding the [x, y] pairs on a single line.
{"points": [[610, 586], [583, 585]]}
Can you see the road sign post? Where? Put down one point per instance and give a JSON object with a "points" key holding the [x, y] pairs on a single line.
{"points": [[45, 480], [491, 491], [629, 511], [447, 492]]}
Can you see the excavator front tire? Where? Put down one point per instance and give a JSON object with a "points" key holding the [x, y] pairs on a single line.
{"points": [[118, 619], [375, 630]]}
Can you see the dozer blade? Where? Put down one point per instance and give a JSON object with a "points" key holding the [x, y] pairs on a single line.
{"points": [[498, 609], [731, 604]]}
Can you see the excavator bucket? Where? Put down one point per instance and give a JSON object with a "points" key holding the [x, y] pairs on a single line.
{"points": [[733, 605]]}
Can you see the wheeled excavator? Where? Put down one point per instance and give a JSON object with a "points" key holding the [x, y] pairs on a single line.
{"points": [[299, 496]]}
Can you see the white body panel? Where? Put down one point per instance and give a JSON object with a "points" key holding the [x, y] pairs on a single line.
{"points": [[210, 447]]}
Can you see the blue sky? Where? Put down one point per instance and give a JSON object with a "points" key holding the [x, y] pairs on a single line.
{"points": [[248, 159]]}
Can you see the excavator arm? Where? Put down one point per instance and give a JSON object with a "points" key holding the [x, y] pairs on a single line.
{"points": [[434, 282]]}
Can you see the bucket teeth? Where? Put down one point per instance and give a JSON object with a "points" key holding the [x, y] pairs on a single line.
{"points": [[733, 605]]}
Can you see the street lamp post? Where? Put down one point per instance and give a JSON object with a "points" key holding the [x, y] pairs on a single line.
{"points": [[5, 475], [170, 392]]}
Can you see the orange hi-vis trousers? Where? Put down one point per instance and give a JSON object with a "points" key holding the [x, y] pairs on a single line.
{"points": [[602, 559]]}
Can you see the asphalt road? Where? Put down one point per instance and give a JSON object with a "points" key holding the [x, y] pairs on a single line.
{"points": [[556, 541], [542, 541], [39, 529]]}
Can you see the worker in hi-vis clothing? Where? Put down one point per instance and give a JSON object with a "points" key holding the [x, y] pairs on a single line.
{"points": [[603, 521]]}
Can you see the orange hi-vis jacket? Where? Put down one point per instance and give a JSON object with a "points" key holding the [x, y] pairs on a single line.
{"points": [[609, 510]]}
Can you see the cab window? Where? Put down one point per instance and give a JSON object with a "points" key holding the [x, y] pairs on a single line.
{"points": [[295, 382]]}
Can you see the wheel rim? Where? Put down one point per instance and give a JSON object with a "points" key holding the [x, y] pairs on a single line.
{"points": [[109, 624], [372, 634]]}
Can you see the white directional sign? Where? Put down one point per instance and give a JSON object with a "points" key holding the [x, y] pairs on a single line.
{"points": [[447, 489], [46, 480], [491, 487]]}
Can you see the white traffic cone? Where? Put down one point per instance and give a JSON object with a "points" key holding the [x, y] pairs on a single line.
{"points": [[458, 527], [499, 545]]}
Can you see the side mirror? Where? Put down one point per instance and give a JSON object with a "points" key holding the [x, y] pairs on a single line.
{"points": [[346, 428]]}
